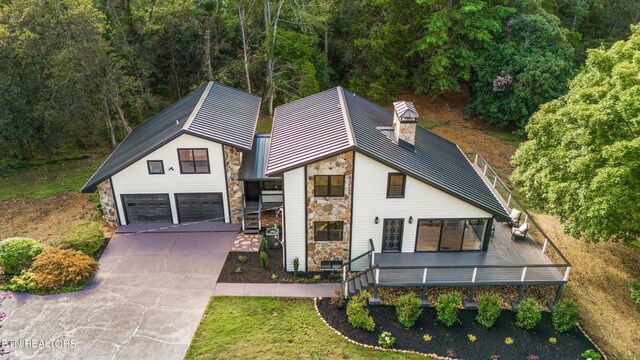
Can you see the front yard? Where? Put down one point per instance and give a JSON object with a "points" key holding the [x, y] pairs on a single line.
{"points": [[272, 328]]}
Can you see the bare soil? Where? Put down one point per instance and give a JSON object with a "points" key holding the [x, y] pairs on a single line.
{"points": [[45, 219]]}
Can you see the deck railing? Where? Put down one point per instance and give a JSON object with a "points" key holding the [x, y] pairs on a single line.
{"points": [[365, 261], [510, 202]]}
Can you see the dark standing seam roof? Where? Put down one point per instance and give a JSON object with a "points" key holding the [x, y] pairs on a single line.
{"points": [[254, 162], [435, 161], [214, 115], [307, 129]]}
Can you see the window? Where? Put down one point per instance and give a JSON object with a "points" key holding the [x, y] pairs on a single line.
{"points": [[330, 264], [194, 161], [329, 185], [395, 185], [155, 167], [272, 185], [328, 230]]}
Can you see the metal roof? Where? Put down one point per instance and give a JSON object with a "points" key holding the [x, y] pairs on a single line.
{"points": [[254, 162], [316, 133], [405, 109], [309, 128], [215, 112]]}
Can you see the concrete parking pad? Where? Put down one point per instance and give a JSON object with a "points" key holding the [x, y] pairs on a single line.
{"points": [[145, 302]]}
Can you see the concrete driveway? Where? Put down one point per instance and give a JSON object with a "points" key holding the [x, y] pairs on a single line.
{"points": [[145, 302]]}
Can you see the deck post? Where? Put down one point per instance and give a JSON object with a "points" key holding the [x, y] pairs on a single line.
{"points": [[557, 298], [475, 161], [424, 300], [514, 304], [470, 303], [509, 200], [374, 299], [544, 247]]}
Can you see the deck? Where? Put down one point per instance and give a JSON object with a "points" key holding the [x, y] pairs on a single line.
{"points": [[507, 262]]}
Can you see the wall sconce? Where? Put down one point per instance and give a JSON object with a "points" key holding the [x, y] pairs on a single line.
{"points": [[410, 219], [377, 220]]}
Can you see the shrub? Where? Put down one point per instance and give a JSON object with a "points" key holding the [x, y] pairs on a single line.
{"points": [[242, 259], [447, 308], [553, 341], [591, 355], [508, 341], [25, 282], [358, 314], [488, 309], [565, 315], [385, 340], [57, 269], [238, 270], [263, 259], [274, 277], [528, 315], [86, 237], [408, 309], [472, 338], [337, 299], [296, 266], [634, 288], [427, 337], [263, 244], [17, 254]]}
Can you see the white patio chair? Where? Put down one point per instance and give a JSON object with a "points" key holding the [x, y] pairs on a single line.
{"points": [[520, 231], [515, 217]]}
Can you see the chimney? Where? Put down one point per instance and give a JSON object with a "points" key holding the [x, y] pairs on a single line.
{"points": [[404, 122]]}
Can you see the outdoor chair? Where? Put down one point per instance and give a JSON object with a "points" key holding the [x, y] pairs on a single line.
{"points": [[519, 231], [515, 217]]}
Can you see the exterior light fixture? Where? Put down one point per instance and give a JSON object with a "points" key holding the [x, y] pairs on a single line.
{"points": [[377, 220], [410, 219]]}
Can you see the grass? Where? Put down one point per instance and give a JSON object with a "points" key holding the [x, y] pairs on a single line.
{"points": [[45, 180], [264, 125], [429, 124], [507, 137], [272, 328]]}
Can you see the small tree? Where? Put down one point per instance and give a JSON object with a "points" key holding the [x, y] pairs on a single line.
{"points": [[488, 309], [528, 315]]}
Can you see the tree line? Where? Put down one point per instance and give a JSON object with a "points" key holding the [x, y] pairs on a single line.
{"points": [[76, 75]]}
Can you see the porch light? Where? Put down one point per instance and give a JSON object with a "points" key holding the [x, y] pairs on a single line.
{"points": [[410, 219], [377, 220]]}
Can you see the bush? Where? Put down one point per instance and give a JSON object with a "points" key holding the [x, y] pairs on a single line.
{"points": [[385, 340], [591, 355], [263, 244], [263, 259], [17, 254], [296, 265], [59, 269], [447, 308], [358, 314], [565, 315], [488, 309], [508, 341], [634, 288], [408, 309], [472, 338], [86, 237], [25, 282], [553, 340], [528, 315], [242, 259], [337, 299], [427, 337]]}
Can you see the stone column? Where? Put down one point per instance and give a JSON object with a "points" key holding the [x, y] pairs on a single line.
{"points": [[233, 160], [109, 213]]}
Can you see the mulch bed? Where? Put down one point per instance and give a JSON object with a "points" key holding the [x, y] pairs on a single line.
{"points": [[453, 341], [251, 272]]}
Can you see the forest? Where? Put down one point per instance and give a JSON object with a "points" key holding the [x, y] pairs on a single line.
{"points": [[77, 75]]}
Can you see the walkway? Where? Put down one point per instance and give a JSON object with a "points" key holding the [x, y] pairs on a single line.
{"points": [[276, 290]]}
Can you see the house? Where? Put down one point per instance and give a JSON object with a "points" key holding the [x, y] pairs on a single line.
{"points": [[362, 189], [185, 164]]}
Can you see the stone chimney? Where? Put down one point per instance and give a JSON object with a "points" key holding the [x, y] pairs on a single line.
{"points": [[404, 121]]}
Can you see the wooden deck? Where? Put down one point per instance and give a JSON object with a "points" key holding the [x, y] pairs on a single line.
{"points": [[507, 262]]}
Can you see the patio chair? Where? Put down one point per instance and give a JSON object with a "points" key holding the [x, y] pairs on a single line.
{"points": [[520, 231], [515, 217]]}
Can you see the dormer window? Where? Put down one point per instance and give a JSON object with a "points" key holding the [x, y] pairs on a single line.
{"points": [[396, 185]]}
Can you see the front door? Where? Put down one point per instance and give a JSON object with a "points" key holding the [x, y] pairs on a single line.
{"points": [[392, 235], [252, 190]]}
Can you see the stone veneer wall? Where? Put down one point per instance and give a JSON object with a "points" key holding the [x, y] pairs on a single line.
{"points": [[329, 209], [233, 160], [405, 130], [109, 213]]}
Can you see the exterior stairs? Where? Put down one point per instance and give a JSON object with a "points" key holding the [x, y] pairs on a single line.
{"points": [[251, 219], [360, 281]]}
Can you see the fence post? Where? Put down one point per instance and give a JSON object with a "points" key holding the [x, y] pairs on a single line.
{"points": [[373, 258], [346, 289]]}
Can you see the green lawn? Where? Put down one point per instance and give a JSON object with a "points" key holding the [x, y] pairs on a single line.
{"points": [[46, 180], [272, 328]]}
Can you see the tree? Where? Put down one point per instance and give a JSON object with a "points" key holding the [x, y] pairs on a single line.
{"points": [[509, 83], [582, 159]]}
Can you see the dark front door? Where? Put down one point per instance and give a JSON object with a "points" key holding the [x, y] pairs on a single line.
{"points": [[392, 235], [252, 190], [200, 207], [147, 208]]}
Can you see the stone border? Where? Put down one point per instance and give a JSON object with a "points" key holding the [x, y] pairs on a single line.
{"points": [[315, 305]]}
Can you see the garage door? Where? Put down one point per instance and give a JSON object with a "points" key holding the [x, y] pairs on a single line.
{"points": [[147, 208], [200, 207]]}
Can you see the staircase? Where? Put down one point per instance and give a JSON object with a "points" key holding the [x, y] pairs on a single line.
{"points": [[251, 211], [354, 282], [360, 281]]}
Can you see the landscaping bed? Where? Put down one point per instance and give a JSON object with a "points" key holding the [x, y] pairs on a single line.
{"points": [[454, 341], [252, 272]]}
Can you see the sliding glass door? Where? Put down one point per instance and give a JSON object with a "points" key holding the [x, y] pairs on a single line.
{"points": [[450, 235]]}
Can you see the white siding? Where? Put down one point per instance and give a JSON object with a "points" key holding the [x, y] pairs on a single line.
{"points": [[135, 179], [420, 201], [294, 218]]}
